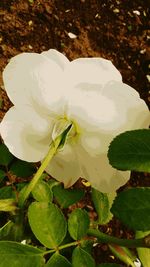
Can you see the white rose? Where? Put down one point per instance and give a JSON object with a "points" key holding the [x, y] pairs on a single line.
{"points": [[47, 90]]}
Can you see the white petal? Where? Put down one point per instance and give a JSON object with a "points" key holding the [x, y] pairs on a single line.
{"points": [[91, 70], [93, 111], [95, 143], [100, 174], [114, 109], [26, 134], [35, 79], [58, 57], [64, 167], [128, 99]]}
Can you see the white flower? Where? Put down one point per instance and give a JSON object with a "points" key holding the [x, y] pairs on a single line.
{"points": [[47, 89]]}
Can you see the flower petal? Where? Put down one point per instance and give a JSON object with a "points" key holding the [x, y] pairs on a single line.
{"points": [[100, 174], [57, 57], [92, 70], [64, 167], [114, 109], [31, 78], [128, 99], [26, 134]]}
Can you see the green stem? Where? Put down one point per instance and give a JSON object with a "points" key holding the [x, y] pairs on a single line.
{"points": [[53, 149], [75, 243], [130, 243]]}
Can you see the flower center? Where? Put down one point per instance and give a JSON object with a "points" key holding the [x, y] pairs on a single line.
{"points": [[61, 125]]}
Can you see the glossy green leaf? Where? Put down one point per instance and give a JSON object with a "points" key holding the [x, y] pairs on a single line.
{"points": [[143, 253], [81, 258], [5, 156], [2, 174], [132, 205], [22, 168], [17, 255], [57, 260], [78, 223], [47, 223], [42, 192], [103, 203], [67, 197], [7, 192], [131, 151]]}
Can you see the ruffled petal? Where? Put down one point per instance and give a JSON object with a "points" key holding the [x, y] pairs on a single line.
{"points": [[91, 70], [57, 57], [26, 134], [97, 170], [95, 143], [93, 111], [128, 101], [65, 167], [114, 109], [35, 79]]}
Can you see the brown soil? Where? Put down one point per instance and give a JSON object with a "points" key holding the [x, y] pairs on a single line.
{"points": [[114, 29]]}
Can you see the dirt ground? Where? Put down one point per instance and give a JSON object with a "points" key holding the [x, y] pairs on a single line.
{"points": [[114, 29]]}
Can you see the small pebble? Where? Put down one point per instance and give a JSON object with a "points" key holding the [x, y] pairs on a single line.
{"points": [[97, 16], [137, 12], [148, 78], [72, 35], [30, 22], [116, 10], [30, 46], [143, 51]]}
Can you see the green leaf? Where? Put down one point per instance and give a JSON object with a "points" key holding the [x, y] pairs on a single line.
{"points": [[109, 265], [87, 245], [58, 260], [5, 230], [2, 174], [131, 151], [67, 197], [47, 223], [7, 205], [11, 231], [22, 168], [81, 258], [52, 182], [103, 203], [7, 192], [42, 192], [17, 255], [132, 205], [78, 223], [143, 253], [5, 156]]}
